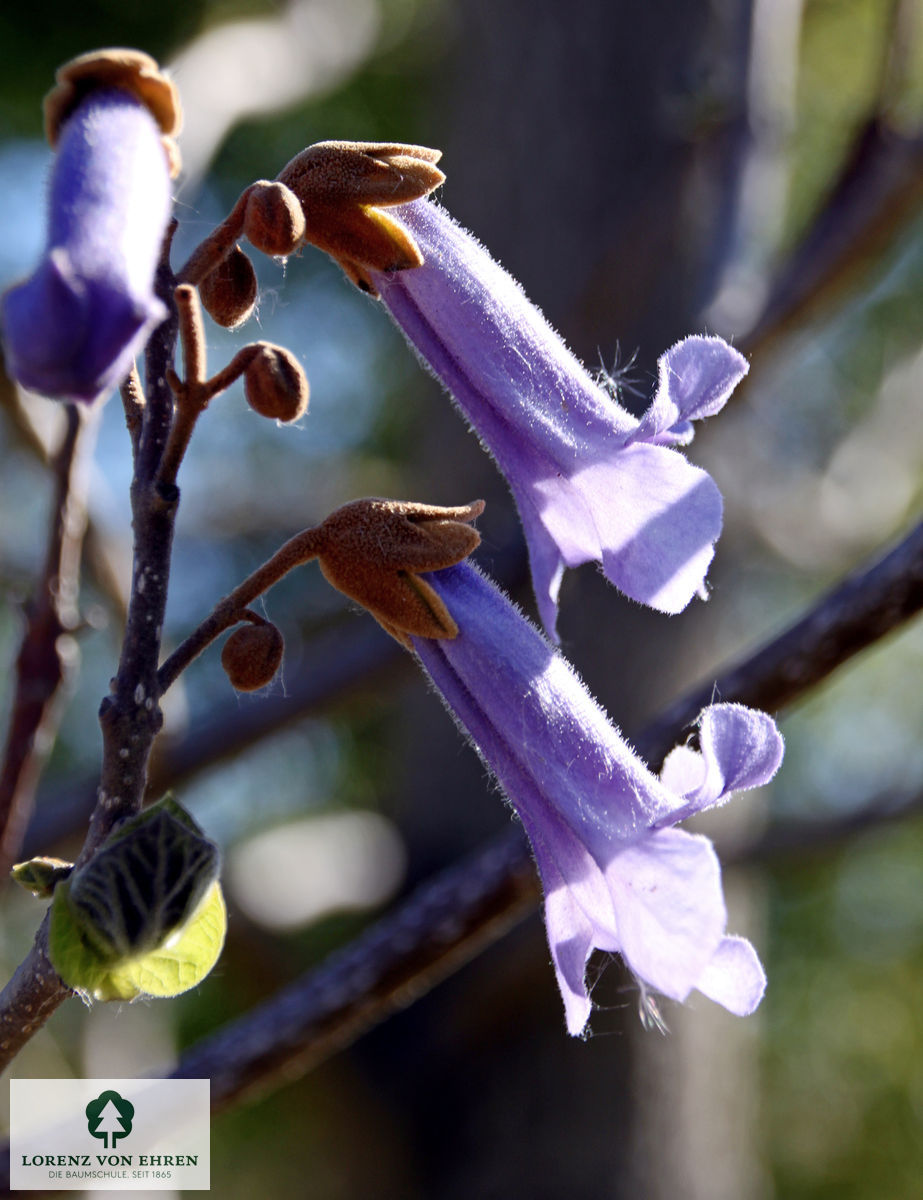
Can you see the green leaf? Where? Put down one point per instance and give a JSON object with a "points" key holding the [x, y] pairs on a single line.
{"points": [[184, 959], [143, 883]]}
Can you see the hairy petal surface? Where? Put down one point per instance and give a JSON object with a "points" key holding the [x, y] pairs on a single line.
{"points": [[72, 329], [591, 482], [615, 875]]}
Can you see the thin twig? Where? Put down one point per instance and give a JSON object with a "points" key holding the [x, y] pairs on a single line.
{"points": [[447, 921], [297, 550], [189, 392], [219, 243], [872, 201], [795, 841], [46, 659], [130, 716], [22, 431]]}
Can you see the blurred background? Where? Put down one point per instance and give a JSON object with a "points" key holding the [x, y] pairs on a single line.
{"points": [[751, 168]]}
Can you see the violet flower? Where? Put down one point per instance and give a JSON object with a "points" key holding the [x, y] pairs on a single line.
{"points": [[591, 482], [73, 328], [616, 875]]}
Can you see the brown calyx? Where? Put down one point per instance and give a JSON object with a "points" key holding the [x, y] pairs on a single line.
{"points": [[374, 551], [131, 70], [342, 188]]}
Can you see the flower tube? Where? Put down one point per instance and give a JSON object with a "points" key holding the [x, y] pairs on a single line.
{"points": [[590, 481], [72, 329], [616, 875]]}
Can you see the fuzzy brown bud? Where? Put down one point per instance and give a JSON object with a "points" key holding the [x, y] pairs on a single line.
{"points": [[228, 293], [130, 70], [274, 220], [252, 655], [275, 384], [343, 186], [374, 551]]}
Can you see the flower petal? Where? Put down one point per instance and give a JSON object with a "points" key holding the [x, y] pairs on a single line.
{"points": [[741, 748], [695, 380], [735, 977], [570, 939], [73, 328], [658, 518], [613, 879], [670, 909]]}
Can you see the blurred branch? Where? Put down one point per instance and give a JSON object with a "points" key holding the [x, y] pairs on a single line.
{"points": [[449, 920], [46, 659], [869, 203], [866, 606], [792, 841], [444, 924], [441, 926], [37, 441], [876, 195], [341, 665]]}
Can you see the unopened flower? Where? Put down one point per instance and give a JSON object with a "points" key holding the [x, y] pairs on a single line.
{"points": [[591, 482], [228, 293], [616, 875], [72, 329], [252, 655]]}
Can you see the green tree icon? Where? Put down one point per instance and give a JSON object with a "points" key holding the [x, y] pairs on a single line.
{"points": [[109, 1116]]}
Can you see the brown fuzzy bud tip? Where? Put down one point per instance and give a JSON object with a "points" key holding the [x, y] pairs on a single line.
{"points": [[374, 551], [228, 293], [130, 70], [274, 220], [342, 187], [275, 384], [252, 655]]}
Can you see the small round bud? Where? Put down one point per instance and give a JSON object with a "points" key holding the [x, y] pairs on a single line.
{"points": [[252, 655], [229, 292], [274, 220], [275, 384]]}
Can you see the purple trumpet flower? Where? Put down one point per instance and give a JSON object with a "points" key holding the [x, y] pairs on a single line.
{"points": [[72, 329], [616, 875], [591, 482]]}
